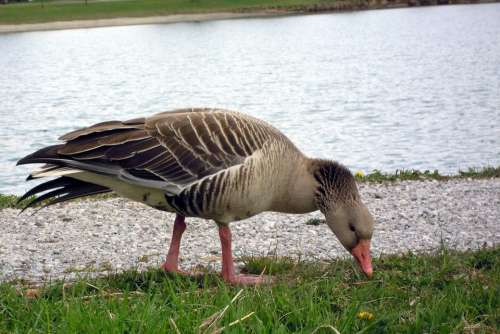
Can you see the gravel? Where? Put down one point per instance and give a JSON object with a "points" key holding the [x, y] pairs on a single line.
{"points": [[92, 237]]}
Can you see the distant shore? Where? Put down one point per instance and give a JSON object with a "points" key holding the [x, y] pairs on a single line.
{"points": [[126, 21], [93, 19]]}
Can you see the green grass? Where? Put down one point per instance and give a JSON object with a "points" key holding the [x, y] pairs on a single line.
{"points": [[10, 201], [414, 175], [445, 293], [77, 10], [315, 221]]}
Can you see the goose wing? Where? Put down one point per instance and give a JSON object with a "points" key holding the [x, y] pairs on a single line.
{"points": [[169, 151]]}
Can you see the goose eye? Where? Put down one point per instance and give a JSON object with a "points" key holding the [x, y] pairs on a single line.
{"points": [[352, 228]]}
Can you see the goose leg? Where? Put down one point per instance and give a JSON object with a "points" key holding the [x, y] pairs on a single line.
{"points": [[172, 262], [228, 264]]}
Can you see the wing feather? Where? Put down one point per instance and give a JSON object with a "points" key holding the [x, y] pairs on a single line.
{"points": [[170, 150]]}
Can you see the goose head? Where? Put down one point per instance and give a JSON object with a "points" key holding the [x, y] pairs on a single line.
{"points": [[337, 197]]}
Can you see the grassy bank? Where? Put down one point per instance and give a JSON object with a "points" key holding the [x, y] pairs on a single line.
{"points": [[65, 11], [10, 201], [415, 175], [51, 11], [444, 293]]}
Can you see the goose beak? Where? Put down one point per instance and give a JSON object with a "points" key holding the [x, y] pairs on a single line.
{"points": [[362, 254]]}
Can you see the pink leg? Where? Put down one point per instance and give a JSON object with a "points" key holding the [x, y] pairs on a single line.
{"points": [[172, 262], [228, 265]]}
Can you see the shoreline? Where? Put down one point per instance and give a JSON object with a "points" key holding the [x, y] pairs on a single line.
{"points": [[337, 7], [130, 21]]}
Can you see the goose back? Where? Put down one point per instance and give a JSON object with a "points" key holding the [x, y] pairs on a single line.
{"points": [[210, 163]]}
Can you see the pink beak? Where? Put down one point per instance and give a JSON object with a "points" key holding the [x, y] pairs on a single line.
{"points": [[362, 254]]}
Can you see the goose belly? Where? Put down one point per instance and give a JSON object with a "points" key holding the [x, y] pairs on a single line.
{"points": [[223, 197], [225, 209]]}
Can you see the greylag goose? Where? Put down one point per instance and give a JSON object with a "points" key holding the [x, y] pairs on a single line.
{"points": [[209, 163]]}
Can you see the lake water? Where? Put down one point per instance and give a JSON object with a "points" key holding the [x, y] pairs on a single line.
{"points": [[386, 89]]}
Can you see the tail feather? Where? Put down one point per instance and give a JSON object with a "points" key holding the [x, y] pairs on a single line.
{"points": [[46, 196], [52, 184], [45, 155], [52, 170], [86, 190], [62, 189]]}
